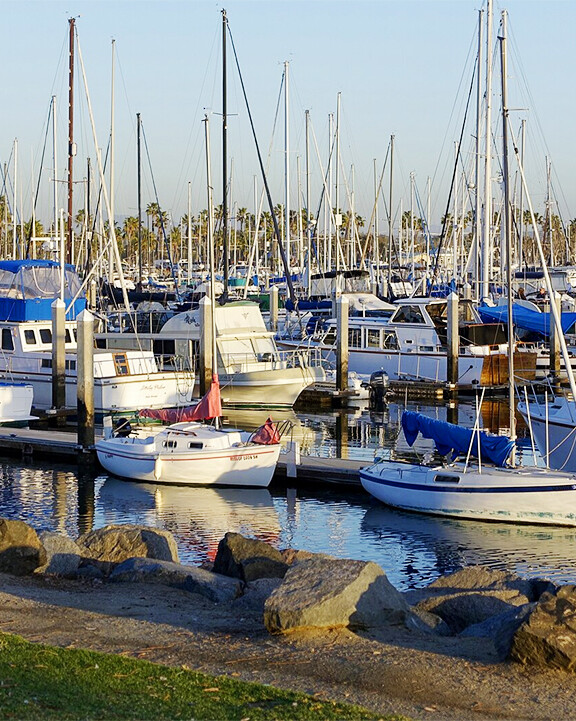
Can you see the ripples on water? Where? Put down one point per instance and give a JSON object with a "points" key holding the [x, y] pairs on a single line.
{"points": [[413, 549]]}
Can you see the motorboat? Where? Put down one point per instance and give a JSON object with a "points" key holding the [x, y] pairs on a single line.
{"points": [[253, 372], [409, 344], [489, 491], [192, 452], [124, 380], [16, 402]]}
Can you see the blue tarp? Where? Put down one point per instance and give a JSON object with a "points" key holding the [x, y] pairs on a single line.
{"points": [[449, 437], [525, 318]]}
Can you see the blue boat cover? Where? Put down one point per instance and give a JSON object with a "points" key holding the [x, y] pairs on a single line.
{"points": [[449, 437], [526, 318]]}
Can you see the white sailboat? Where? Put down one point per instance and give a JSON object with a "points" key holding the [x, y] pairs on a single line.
{"points": [[497, 492], [190, 452]]}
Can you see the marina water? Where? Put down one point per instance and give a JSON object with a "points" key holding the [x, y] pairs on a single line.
{"points": [[345, 522]]}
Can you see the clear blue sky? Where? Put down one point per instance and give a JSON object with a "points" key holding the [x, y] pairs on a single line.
{"points": [[403, 67]]}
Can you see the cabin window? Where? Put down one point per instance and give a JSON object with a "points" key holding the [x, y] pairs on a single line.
{"points": [[373, 338], [69, 365], [170, 444], [443, 478], [46, 336], [355, 337], [67, 336], [121, 364], [390, 341], [408, 314], [195, 444], [330, 337], [30, 337], [7, 340], [426, 349]]}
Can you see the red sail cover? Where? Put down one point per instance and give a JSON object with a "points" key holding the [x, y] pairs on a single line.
{"points": [[210, 406], [267, 435]]}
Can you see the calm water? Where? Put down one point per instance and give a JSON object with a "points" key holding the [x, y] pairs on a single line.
{"points": [[413, 549]]}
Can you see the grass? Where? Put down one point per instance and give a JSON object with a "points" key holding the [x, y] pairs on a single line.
{"points": [[44, 682]]}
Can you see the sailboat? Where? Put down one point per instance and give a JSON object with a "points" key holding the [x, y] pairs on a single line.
{"points": [[191, 452], [501, 491]]}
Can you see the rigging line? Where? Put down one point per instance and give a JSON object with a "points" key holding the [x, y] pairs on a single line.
{"points": [[371, 223], [265, 181], [161, 219], [32, 230], [449, 201]]}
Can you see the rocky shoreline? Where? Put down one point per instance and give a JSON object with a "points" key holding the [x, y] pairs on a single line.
{"points": [[477, 642]]}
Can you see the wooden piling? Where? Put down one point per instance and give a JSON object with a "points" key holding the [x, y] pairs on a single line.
{"points": [[555, 339], [58, 354], [206, 344], [85, 388], [453, 341], [274, 308], [342, 343]]}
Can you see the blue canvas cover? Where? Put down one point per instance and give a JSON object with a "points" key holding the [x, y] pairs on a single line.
{"points": [[526, 318], [449, 437]]}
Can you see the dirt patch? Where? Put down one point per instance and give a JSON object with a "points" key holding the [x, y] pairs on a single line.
{"points": [[392, 671]]}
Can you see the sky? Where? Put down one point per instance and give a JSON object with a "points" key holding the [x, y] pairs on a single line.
{"points": [[401, 68]]}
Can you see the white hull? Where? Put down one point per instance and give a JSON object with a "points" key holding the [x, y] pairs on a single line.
{"points": [[16, 402], [269, 388], [519, 495], [115, 394], [153, 459]]}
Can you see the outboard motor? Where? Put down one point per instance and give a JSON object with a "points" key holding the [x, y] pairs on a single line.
{"points": [[379, 385], [122, 428]]}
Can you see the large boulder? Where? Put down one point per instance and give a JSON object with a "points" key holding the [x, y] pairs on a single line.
{"points": [[324, 593], [548, 635], [212, 586], [117, 543], [63, 555], [248, 559], [473, 595], [500, 629], [21, 551]]}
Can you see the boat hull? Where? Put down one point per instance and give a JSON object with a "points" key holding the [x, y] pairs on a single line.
{"points": [[518, 495], [246, 466]]}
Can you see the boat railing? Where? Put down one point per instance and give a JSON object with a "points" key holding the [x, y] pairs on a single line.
{"points": [[277, 360]]}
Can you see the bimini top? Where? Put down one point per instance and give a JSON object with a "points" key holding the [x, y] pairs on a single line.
{"points": [[28, 288], [449, 437]]}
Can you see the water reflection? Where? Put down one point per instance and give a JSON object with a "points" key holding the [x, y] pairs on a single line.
{"points": [[425, 547], [198, 517]]}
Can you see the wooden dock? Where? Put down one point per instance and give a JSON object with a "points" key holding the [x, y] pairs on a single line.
{"points": [[52, 444]]}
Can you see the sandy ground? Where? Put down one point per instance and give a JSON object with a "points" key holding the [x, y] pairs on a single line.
{"points": [[392, 671]]}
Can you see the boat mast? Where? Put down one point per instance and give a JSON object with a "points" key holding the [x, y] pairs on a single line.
{"points": [[477, 201], [224, 162], [139, 129], [487, 226], [507, 230], [286, 166], [390, 236], [71, 144]]}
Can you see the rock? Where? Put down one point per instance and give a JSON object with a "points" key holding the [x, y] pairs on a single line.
{"points": [[255, 595], [248, 559], [472, 595], [480, 578], [63, 555], [425, 622], [21, 551], [292, 556], [212, 586], [118, 543], [501, 628], [464, 609], [547, 637], [323, 593]]}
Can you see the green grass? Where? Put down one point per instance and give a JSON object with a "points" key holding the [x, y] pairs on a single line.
{"points": [[44, 682]]}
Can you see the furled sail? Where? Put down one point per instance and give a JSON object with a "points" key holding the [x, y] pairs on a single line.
{"points": [[449, 437]]}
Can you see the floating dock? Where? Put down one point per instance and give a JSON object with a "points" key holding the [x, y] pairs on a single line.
{"points": [[60, 445]]}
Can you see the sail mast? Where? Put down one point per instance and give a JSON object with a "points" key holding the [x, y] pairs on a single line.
{"points": [[507, 229], [224, 161], [71, 145]]}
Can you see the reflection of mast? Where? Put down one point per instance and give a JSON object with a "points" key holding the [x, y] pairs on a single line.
{"points": [[71, 146]]}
